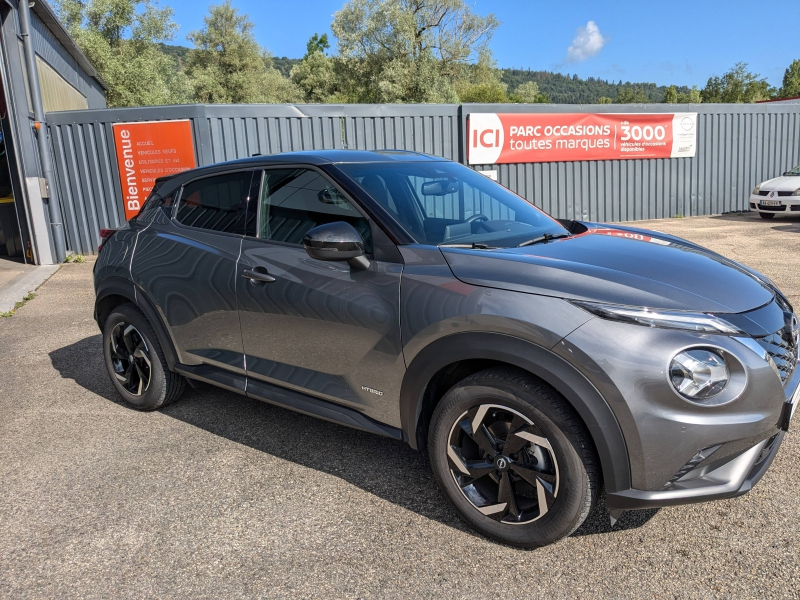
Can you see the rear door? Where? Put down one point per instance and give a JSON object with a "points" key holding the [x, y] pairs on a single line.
{"points": [[319, 327], [187, 267]]}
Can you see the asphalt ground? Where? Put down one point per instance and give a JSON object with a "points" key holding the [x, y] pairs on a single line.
{"points": [[222, 496]]}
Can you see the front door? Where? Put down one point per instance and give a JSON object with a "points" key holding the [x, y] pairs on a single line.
{"points": [[319, 327]]}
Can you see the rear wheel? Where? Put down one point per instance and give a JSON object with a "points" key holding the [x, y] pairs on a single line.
{"points": [[513, 458], [766, 215], [135, 361]]}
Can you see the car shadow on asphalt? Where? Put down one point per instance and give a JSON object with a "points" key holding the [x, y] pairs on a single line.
{"points": [[387, 468], [791, 227]]}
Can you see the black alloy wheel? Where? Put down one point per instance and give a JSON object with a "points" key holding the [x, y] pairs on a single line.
{"points": [[130, 358], [503, 464], [513, 458]]}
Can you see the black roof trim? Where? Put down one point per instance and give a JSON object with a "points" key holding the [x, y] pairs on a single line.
{"points": [[49, 18], [318, 157]]}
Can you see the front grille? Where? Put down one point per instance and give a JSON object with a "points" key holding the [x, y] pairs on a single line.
{"points": [[795, 207], [783, 353], [772, 208], [768, 192]]}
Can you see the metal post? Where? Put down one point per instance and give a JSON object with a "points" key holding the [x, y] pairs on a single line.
{"points": [[41, 132]]}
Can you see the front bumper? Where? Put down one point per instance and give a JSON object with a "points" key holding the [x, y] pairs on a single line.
{"points": [[788, 204], [729, 477], [734, 477], [681, 452]]}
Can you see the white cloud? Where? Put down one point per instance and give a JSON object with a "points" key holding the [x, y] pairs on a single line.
{"points": [[586, 43]]}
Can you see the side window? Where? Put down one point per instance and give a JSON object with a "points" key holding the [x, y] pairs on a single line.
{"points": [[296, 200], [218, 203], [153, 203]]}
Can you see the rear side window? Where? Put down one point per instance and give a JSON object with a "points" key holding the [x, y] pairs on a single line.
{"points": [[153, 203], [218, 203]]}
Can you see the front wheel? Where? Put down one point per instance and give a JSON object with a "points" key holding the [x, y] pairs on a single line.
{"points": [[135, 361], [766, 215], [513, 458]]}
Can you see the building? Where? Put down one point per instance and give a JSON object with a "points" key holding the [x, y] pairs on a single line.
{"points": [[42, 71]]}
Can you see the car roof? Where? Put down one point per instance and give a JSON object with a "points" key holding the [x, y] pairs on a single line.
{"points": [[316, 157], [310, 157]]}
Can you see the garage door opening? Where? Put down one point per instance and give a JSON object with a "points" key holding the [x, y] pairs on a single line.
{"points": [[11, 245]]}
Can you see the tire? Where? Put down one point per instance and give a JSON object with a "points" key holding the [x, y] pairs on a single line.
{"points": [[766, 215], [546, 458], [136, 363]]}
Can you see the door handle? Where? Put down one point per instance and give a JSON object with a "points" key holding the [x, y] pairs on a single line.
{"points": [[258, 275]]}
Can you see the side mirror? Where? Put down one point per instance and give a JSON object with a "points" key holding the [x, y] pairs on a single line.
{"points": [[336, 241]]}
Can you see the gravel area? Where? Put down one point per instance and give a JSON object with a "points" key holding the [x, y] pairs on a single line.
{"points": [[222, 496]]}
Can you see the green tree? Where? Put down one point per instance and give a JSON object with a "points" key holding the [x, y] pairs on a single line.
{"points": [[315, 75], [481, 82], [317, 43], [123, 40], [631, 95], [228, 66], [791, 81], [736, 86], [407, 50], [604, 100], [528, 93], [673, 96]]}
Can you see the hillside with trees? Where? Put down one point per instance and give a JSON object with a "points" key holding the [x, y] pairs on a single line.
{"points": [[571, 89]]}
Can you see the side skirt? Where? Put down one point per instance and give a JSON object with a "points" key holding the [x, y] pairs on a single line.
{"points": [[285, 398]]}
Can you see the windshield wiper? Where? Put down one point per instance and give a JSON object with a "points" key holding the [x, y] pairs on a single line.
{"points": [[544, 238], [472, 246]]}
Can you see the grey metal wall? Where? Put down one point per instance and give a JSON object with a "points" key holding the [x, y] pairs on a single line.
{"points": [[53, 52], [738, 146]]}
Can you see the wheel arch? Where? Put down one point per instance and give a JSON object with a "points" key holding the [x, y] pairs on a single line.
{"points": [[447, 360], [115, 291]]}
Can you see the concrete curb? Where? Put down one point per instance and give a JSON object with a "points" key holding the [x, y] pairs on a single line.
{"points": [[23, 284]]}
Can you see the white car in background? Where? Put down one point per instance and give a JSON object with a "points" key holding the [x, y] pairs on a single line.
{"points": [[777, 196]]}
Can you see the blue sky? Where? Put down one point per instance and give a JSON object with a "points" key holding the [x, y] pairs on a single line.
{"points": [[646, 40]]}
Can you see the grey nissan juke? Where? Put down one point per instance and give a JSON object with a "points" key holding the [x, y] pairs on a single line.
{"points": [[537, 360]]}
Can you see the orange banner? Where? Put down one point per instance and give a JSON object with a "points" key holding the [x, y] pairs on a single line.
{"points": [[553, 137], [147, 151]]}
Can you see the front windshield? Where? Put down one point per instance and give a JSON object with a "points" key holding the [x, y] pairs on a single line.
{"points": [[795, 171], [446, 203]]}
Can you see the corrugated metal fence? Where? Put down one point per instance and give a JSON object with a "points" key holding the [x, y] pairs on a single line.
{"points": [[738, 146]]}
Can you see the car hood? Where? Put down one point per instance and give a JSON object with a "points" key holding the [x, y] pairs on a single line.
{"points": [[618, 265], [781, 184]]}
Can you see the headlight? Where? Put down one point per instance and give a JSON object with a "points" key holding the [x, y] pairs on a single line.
{"points": [[796, 192], [756, 189], [698, 374], [668, 319]]}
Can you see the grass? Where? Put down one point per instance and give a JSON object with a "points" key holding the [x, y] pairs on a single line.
{"points": [[74, 258], [11, 312], [679, 216]]}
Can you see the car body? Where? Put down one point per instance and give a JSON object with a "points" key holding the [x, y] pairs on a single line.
{"points": [[778, 196], [429, 292]]}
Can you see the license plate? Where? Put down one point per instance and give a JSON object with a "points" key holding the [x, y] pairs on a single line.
{"points": [[771, 202]]}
